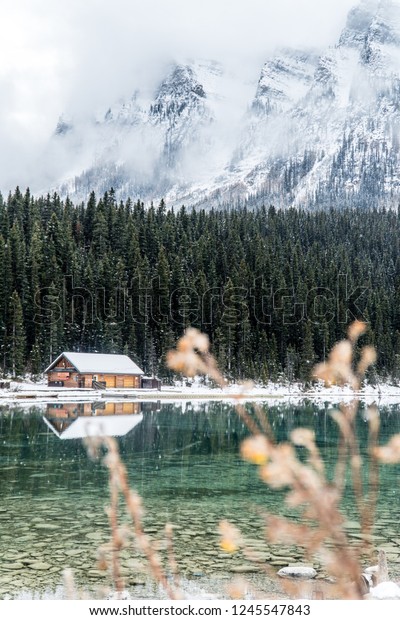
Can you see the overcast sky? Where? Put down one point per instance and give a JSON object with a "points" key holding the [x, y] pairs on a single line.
{"points": [[81, 55]]}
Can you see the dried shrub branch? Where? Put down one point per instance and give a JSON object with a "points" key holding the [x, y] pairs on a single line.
{"points": [[119, 486], [308, 489]]}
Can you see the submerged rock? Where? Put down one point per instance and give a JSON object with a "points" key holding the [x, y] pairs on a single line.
{"points": [[13, 566], [95, 536], [196, 572], [137, 581], [14, 557], [277, 562], [95, 573], [46, 526], [245, 568], [40, 566], [298, 572]]}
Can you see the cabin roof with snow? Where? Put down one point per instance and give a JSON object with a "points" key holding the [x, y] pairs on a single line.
{"points": [[100, 363]]}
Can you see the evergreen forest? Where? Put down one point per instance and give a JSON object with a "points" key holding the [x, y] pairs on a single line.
{"points": [[273, 289]]}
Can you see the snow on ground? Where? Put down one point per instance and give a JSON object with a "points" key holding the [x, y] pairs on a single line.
{"points": [[29, 391]]}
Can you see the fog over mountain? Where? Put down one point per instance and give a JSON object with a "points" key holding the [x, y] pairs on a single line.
{"points": [[273, 110]]}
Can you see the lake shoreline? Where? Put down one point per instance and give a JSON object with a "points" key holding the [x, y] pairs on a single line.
{"points": [[24, 393]]}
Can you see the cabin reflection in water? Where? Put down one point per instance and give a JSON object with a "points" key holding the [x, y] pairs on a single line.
{"points": [[78, 420]]}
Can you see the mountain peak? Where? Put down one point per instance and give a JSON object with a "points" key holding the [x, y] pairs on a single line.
{"points": [[178, 91], [358, 22], [372, 20], [284, 80], [320, 128]]}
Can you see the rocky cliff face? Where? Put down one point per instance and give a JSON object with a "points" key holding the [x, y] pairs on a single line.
{"points": [[321, 129]]}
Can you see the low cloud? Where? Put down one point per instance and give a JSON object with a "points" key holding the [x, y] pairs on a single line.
{"points": [[80, 57]]}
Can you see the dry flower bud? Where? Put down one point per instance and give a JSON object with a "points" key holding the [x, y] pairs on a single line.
{"points": [[303, 437], [276, 475], [338, 368], [176, 360], [198, 340], [193, 339], [238, 589], [279, 471], [255, 449], [368, 357], [228, 546], [184, 345], [391, 452], [342, 353], [230, 537], [356, 329], [325, 373], [102, 564], [189, 363]]}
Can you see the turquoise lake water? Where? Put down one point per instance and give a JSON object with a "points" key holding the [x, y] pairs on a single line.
{"points": [[184, 461]]}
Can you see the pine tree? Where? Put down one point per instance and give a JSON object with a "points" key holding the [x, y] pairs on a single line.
{"points": [[112, 330], [307, 355], [16, 337], [36, 366]]}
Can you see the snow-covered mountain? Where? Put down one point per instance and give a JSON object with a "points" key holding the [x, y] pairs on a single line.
{"points": [[321, 128]]}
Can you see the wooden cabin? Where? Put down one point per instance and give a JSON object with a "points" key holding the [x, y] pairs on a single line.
{"points": [[87, 370]]}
